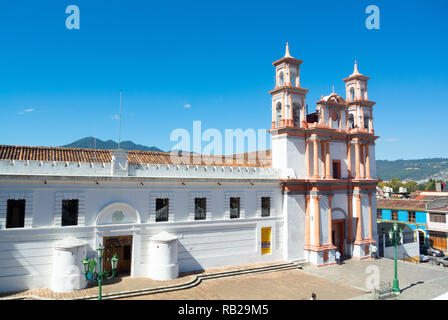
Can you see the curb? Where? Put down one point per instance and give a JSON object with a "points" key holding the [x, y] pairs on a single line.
{"points": [[193, 283]]}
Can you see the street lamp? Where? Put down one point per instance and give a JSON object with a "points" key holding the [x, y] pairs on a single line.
{"points": [[395, 235], [91, 273]]}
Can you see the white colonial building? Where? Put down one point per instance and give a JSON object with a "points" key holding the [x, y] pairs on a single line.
{"points": [[314, 196]]}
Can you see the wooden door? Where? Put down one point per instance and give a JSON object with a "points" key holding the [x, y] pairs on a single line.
{"points": [[438, 240], [122, 246], [338, 236]]}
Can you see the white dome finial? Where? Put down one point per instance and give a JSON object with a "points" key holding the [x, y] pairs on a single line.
{"points": [[355, 70], [287, 54]]}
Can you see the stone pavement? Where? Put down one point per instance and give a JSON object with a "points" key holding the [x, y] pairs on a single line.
{"points": [[126, 285], [417, 281], [276, 281], [280, 285]]}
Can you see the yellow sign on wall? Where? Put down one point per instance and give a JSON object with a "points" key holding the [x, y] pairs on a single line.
{"points": [[265, 240]]}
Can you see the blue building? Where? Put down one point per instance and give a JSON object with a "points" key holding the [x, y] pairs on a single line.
{"points": [[408, 212]]}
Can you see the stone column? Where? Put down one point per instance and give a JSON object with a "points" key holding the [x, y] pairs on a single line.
{"points": [[316, 220], [330, 119], [274, 116], [316, 159], [362, 166], [327, 162], [349, 160], [340, 120], [370, 120], [357, 156], [362, 119], [370, 216], [346, 120], [368, 176], [322, 159], [350, 217], [330, 225], [303, 112], [359, 216], [283, 112], [307, 221], [291, 118], [307, 158]]}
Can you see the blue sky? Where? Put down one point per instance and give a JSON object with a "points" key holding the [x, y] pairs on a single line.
{"points": [[59, 85]]}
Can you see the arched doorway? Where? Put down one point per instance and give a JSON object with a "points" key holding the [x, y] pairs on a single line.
{"points": [[121, 244], [338, 230]]}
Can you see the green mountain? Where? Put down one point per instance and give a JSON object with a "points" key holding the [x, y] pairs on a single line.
{"points": [[417, 170], [89, 143]]}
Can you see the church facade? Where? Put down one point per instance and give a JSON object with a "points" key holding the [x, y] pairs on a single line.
{"points": [[314, 195]]}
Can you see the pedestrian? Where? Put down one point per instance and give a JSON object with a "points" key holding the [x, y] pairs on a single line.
{"points": [[338, 257], [313, 296], [374, 255]]}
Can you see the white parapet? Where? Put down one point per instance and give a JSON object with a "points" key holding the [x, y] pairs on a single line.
{"points": [[67, 265], [163, 257]]}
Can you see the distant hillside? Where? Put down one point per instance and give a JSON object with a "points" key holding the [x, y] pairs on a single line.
{"points": [[417, 170], [89, 143]]}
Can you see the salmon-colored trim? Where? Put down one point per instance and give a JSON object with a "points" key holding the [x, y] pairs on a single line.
{"points": [[359, 216], [317, 220], [307, 221], [330, 222], [350, 217], [320, 247]]}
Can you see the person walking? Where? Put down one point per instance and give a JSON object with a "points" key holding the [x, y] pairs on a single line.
{"points": [[338, 257], [374, 255]]}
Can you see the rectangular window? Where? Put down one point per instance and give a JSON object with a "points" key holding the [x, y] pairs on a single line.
{"points": [[234, 208], [440, 218], [394, 215], [411, 216], [162, 207], [336, 169], [15, 215], [265, 206], [200, 208], [379, 214], [69, 213]]}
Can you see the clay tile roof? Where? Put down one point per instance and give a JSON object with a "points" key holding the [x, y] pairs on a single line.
{"points": [[105, 156], [404, 204]]}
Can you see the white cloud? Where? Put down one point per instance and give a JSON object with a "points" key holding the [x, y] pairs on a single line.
{"points": [[115, 117], [391, 139], [187, 106], [28, 110]]}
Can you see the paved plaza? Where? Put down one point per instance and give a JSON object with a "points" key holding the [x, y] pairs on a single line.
{"points": [[351, 280], [417, 281], [280, 285]]}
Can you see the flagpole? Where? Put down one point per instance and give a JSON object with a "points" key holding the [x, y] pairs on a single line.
{"points": [[119, 124]]}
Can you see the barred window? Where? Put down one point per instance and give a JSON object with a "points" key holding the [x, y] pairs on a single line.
{"points": [[265, 206], [394, 215], [411, 216], [379, 214], [69, 213], [15, 214], [437, 217], [234, 208], [200, 208], [162, 208]]}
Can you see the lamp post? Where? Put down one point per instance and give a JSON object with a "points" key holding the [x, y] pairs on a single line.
{"points": [[396, 236], [91, 273]]}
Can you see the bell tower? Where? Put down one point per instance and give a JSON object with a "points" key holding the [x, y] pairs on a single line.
{"points": [[359, 106], [288, 98], [288, 117]]}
